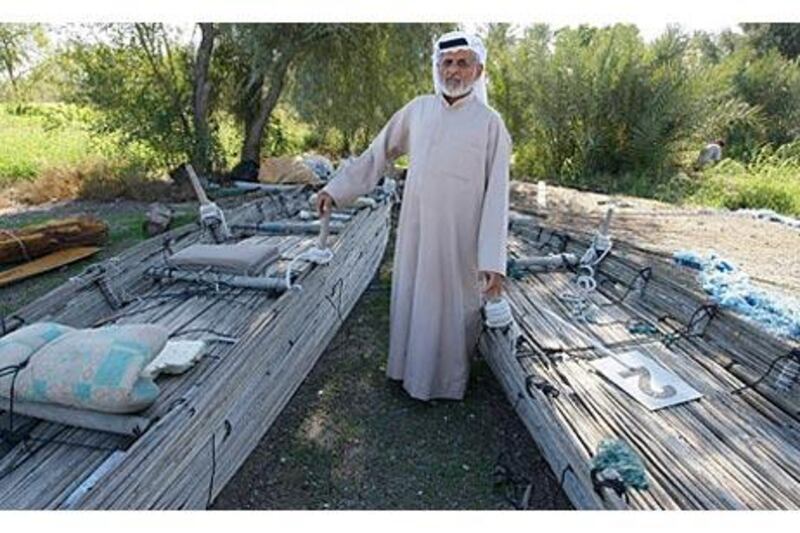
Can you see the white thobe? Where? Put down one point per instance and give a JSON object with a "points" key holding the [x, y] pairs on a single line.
{"points": [[453, 225]]}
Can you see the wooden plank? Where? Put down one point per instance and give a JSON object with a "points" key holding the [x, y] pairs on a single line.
{"points": [[46, 264]]}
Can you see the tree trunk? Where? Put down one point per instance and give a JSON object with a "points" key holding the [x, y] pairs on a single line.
{"points": [[35, 241], [146, 43], [255, 123], [201, 157]]}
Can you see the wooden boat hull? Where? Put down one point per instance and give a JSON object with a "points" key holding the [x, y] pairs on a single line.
{"points": [[727, 450], [207, 421]]}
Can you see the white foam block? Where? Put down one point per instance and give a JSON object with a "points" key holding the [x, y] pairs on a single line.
{"points": [[176, 358]]}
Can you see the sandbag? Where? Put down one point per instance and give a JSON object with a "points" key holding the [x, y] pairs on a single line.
{"points": [[287, 170], [19, 346], [97, 369]]}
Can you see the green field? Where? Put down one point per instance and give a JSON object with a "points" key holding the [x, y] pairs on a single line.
{"points": [[36, 138]]}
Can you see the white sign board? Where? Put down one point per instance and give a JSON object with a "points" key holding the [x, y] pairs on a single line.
{"points": [[647, 381]]}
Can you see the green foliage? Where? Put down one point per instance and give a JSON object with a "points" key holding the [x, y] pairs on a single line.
{"points": [[286, 134], [358, 77], [252, 65], [20, 46], [599, 101], [35, 137], [600, 108], [140, 80], [783, 37], [772, 83], [771, 181], [590, 107]]}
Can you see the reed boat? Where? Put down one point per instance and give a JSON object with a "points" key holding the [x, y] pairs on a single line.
{"points": [[640, 391], [261, 333]]}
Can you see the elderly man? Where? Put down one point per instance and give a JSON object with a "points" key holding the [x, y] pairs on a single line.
{"points": [[451, 238]]}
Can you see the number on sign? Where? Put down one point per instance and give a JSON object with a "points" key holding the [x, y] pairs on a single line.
{"points": [[645, 385]]}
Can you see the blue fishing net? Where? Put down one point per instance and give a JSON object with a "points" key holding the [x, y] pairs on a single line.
{"points": [[617, 455], [731, 289]]}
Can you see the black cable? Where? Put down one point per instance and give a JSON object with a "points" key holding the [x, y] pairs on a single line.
{"points": [[213, 470], [645, 274], [337, 306], [708, 310], [180, 332], [792, 354], [8, 329], [563, 477], [13, 371]]}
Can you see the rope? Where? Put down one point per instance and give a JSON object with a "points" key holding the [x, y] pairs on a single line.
{"points": [[318, 256], [19, 242], [579, 302], [498, 313]]}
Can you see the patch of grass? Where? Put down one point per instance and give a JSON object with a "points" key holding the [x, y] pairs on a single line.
{"points": [[34, 141], [52, 152], [762, 185]]}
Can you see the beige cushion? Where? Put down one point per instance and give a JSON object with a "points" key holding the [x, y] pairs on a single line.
{"points": [[97, 369], [244, 259]]}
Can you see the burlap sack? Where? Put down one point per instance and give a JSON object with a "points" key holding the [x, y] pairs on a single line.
{"points": [[287, 170]]}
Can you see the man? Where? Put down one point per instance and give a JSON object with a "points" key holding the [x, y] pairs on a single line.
{"points": [[451, 238], [711, 154]]}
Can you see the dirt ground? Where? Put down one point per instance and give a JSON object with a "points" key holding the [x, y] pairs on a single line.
{"points": [[767, 251], [352, 439]]}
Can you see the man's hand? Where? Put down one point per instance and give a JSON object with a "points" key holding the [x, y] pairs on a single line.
{"points": [[324, 203], [492, 284]]}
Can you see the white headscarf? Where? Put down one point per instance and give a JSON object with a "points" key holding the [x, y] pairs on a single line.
{"points": [[459, 40]]}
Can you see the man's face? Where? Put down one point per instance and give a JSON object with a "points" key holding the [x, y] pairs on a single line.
{"points": [[458, 71]]}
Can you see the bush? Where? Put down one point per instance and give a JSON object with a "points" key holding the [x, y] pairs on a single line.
{"points": [[601, 101], [771, 181]]}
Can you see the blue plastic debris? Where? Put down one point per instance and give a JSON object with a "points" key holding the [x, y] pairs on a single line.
{"points": [[642, 328], [688, 259], [616, 455], [731, 289]]}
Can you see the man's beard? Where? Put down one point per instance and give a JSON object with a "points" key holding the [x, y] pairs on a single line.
{"points": [[455, 89]]}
